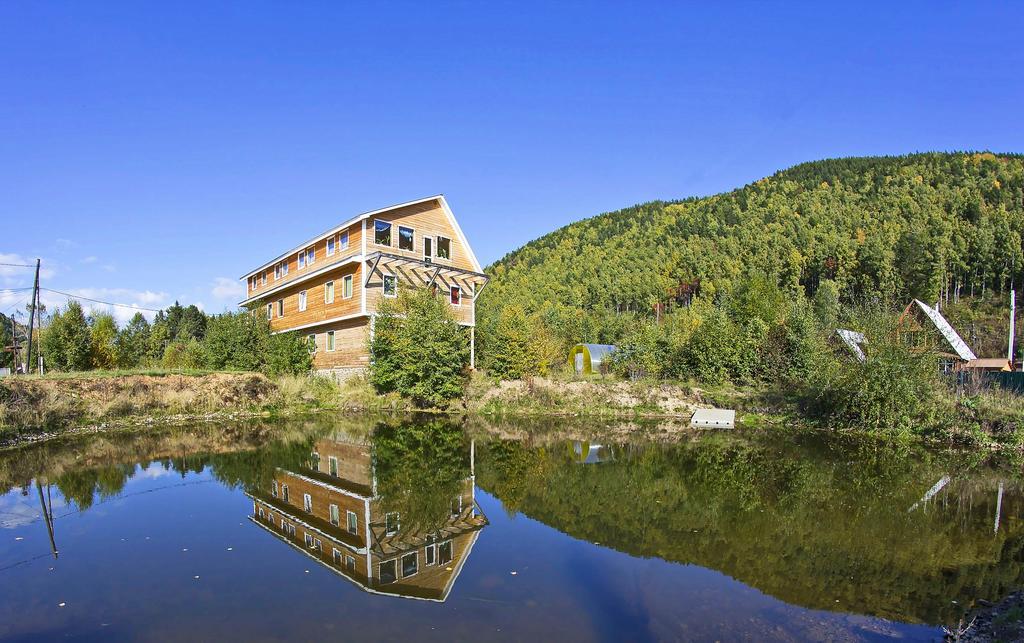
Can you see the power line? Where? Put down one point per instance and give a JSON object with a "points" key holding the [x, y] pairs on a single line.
{"points": [[18, 265], [98, 301]]}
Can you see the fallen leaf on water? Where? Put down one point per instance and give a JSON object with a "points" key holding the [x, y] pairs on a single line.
{"points": [[61, 604]]}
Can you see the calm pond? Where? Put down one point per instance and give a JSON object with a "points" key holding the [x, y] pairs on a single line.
{"points": [[427, 530]]}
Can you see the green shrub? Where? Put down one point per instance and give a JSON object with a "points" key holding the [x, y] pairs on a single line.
{"points": [[418, 349]]}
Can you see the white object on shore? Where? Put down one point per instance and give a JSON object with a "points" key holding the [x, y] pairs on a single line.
{"points": [[720, 418]]}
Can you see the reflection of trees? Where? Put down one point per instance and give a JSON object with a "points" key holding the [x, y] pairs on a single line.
{"points": [[420, 467], [81, 485], [811, 523]]}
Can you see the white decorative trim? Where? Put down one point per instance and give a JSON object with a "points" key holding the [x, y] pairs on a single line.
{"points": [[306, 277]]}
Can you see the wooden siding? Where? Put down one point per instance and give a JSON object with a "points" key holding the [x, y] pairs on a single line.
{"points": [[316, 309], [426, 219], [350, 344], [320, 260]]}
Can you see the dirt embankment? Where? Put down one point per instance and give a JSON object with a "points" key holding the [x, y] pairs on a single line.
{"points": [[35, 405]]}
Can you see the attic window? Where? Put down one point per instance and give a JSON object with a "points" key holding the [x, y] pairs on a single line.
{"points": [[444, 248], [382, 233], [406, 238]]}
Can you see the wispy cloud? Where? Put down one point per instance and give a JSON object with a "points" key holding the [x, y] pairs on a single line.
{"points": [[90, 259], [19, 275], [131, 301], [225, 288]]}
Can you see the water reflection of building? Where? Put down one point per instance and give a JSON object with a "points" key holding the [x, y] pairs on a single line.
{"points": [[330, 510]]}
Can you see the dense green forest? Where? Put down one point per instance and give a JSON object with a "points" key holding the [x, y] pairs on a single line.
{"points": [[936, 226]]}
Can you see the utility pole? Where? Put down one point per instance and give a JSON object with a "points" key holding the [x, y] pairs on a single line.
{"points": [[31, 321], [1013, 308]]}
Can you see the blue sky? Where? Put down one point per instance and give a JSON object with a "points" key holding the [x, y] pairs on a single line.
{"points": [[156, 151]]}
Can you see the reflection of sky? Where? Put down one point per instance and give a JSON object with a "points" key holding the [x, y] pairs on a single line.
{"points": [[17, 510]]}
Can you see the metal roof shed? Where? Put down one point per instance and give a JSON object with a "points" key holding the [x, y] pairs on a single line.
{"points": [[587, 358]]}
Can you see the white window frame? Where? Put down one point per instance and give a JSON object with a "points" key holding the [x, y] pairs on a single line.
{"points": [[351, 526], [302, 259], [273, 491], [347, 285], [401, 563], [334, 515], [311, 338], [263, 278], [430, 555], [350, 563], [280, 307], [277, 271], [284, 493], [343, 240], [439, 546], [331, 242], [437, 247], [428, 249], [330, 342], [284, 268], [395, 576], [332, 466], [391, 236], [451, 291], [329, 288], [307, 503], [310, 255], [302, 301], [383, 285], [308, 537], [270, 311], [336, 556], [399, 244]]}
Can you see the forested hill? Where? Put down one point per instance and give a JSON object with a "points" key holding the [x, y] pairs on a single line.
{"points": [[924, 225]]}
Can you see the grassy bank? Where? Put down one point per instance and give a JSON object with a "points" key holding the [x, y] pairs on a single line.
{"points": [[33, 406]]}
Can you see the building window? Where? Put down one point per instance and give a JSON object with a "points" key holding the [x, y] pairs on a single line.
{"points": [[261, 512], [382, 233], [329, 292], [410, 564], [332, 465], [284, 492], [280, 308], [336, 555], [343, 240], [319, 545], [386, 572], [346, 287], [391, 524], [310, 256], [335, 516], [309, 541], [350, 563], [429, 554], [277, 271], [284, 267], [390, 286], [444, 248], [270, 311], [330, 246], [456, 505], [307, 503], [314, 461], [353, 522], [406, 238], [444, 552], [263, 278], [428, 249], [330, 341], [302, 300], [273, 489], [456, 296], [311, 341], [302, 260]]}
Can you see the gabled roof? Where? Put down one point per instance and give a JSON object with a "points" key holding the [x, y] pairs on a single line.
{"points": [[366, 215]]}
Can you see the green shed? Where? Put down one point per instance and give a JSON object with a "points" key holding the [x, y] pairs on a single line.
{"points": [[587, 358]]}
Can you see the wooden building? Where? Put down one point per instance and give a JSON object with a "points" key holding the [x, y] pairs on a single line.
{"points": [[328, 287], [330, 511]]}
